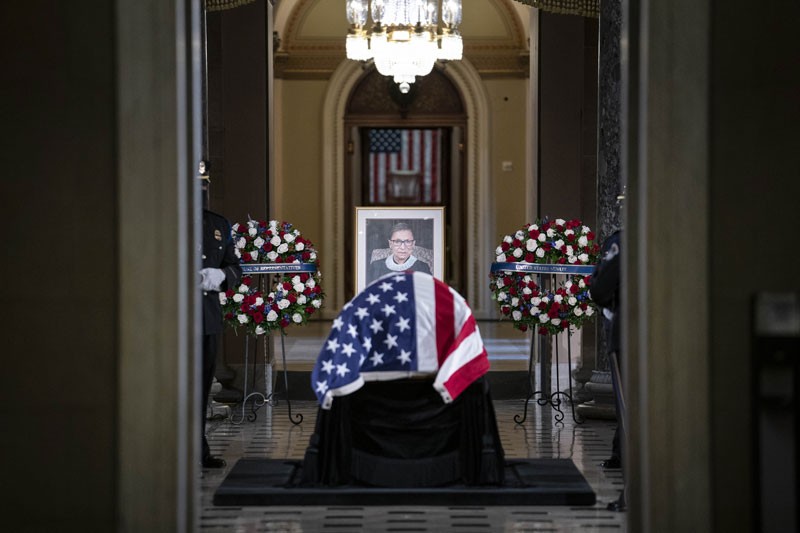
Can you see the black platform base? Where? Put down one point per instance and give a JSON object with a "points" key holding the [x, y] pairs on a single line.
{"points": [[273, 482]]}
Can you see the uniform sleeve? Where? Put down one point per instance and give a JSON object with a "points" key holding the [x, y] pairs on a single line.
{"points": [[230, 263], [606, 278]]}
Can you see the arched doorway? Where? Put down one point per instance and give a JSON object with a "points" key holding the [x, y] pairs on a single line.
{"points": [[407, 150]]}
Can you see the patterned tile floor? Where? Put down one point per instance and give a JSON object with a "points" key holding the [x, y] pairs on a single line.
{"points": [[273, 435]]}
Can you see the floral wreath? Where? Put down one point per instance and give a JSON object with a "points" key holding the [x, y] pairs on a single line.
{"points": [[293, 297], [557, 242]]}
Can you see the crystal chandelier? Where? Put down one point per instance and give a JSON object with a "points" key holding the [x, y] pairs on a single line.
{"points": [[405, 40]]}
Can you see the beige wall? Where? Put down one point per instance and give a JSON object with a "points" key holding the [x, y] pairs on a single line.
{"points": [[508, 102], [298, 170]]}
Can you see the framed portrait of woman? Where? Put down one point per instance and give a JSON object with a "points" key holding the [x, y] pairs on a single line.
{"points": [[397, 239]]}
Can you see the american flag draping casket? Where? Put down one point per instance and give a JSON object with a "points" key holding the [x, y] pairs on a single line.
{"points": [[402, 325]]}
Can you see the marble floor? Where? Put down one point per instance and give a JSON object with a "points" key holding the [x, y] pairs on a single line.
{"points": [[272, 435]]}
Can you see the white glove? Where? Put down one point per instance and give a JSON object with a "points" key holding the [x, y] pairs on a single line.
{"points": [[211, 279]]}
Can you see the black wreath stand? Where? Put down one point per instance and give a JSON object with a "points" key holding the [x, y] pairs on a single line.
{"points": [[259, 399], [545, 396]]}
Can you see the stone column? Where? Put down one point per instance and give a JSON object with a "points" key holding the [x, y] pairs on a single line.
{"points": [[609, 186]]}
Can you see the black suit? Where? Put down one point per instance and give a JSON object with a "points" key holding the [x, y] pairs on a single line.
{"points": [[605, 291], [218, 252]]}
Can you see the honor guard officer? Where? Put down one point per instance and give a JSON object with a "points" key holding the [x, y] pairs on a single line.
{"points": [[220, 271]]}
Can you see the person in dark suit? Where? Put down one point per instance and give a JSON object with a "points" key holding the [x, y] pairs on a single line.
{"points": [[401, 258], [220, 271], [605, 291]]}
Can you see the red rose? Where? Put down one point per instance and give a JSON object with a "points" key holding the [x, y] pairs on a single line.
{"points": [[534, 233], [523, 327], [516, 243], [530, 258], [258, 318], [506, 310], [306, 256], [574, 288], [291, 297], [571, 237], [285, 321], [562, 260], [590, 235], [304, 277], [310, 309], [287, 285], [505, 246]]}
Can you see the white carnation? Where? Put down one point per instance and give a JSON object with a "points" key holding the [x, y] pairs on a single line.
{"points": [[516, 315], [311, 283], [289, 237], [526, 290], [498, 250], [589, 311], [272, 316], [531, 245], [558, 298], [507, 239], [572, 300], [536, 301], [582, 284], [222, 298], [283, 248], [582, 240], [583, 258], [551, 233], [519, 234], [502, 297], [301, 300], [517, 252], [259, 242], [532, 227], [244, 288], [501, 258], [299, 287], [543, 317], [542, 237], [572, 259], [259, 301], [313, 256], [260, 330], [585, 229], [558, 244], [238, 297], [316, 303], [501, 281], [297, 318], [283, 303], [514, 301], [570, 250], [540, 252], [275, 241], [578, 311], [243, 319], [241, 243], [272, 256], [569, 232], [252, 231], [254, 255], [560, 221], [299, 246], [556, 321]]}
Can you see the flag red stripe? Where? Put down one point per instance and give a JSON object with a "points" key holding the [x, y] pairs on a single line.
{"points": [[445, 320]]}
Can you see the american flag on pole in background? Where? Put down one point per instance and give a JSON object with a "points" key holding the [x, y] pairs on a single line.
{"points": [[402, 325], [418, 150]]}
